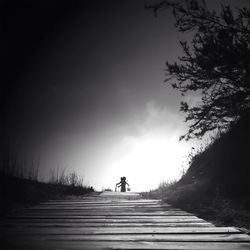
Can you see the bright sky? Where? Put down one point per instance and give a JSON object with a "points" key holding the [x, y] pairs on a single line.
{"points": [[146, 154]]}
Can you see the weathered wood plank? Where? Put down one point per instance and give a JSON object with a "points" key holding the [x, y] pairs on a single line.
{"points": [[109, 220], [72, 225], [109, 206], [132, 195], [117, 209], [107, 213], [121, 230], [98, 202], [102, 217], [77, 245], [228, 237]]}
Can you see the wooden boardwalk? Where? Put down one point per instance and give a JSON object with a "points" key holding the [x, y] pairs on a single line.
{"points": [[115, 221]]}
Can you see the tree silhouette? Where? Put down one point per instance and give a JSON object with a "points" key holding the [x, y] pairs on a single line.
{"points": [[215, 64]]}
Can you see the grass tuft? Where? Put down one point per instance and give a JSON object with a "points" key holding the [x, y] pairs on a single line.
{"points": [[20, 188]]}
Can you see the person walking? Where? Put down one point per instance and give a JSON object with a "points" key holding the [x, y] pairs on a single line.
{"points": [[122, 184]]}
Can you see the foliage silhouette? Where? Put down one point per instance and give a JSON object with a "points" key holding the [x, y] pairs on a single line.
{"points": [[215, 64]]}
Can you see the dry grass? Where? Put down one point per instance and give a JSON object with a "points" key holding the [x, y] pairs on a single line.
{"points": [[161, 192], [20, 187]]}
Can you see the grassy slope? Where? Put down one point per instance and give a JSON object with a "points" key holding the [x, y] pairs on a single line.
{"points": [[217, 184], [17, 193]]}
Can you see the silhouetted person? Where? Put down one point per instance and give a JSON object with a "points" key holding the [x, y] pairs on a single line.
{"points": [[122, 184]]}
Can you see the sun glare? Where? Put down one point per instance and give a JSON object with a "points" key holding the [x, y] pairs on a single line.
{"points": [[146, 161]]}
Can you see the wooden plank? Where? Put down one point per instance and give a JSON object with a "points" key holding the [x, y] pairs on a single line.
{"points": [[77, 245], [132, 195], [100, 205], [96, 217], [101, 199], [118, 209], [109, 206], [121, 230], [107, 213], [109, 220], [104, 202], [228, 237], [72, 225]]}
